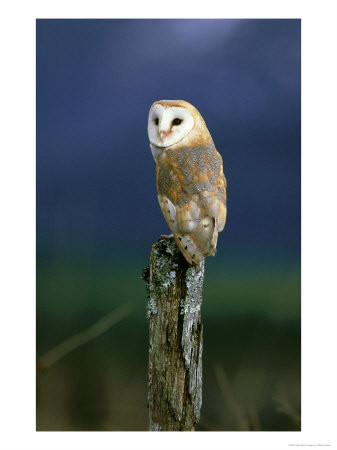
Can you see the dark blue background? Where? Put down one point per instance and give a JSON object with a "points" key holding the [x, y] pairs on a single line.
{"points": [[96, 80]]}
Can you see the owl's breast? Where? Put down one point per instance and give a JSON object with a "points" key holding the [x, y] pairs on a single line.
{"points": [[191, 174]]}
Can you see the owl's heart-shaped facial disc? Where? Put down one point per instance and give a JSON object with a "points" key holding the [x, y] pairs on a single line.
{"points": [[168, 125]]}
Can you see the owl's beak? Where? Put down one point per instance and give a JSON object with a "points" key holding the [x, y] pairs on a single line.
{"points": [[163, 134]]}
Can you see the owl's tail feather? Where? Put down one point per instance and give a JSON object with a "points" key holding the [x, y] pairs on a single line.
{"points": [[196, 246], [188, 248]]}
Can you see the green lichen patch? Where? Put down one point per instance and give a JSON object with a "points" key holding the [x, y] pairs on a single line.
{"points": [[194, 284], [151, 307], [163, 272]]}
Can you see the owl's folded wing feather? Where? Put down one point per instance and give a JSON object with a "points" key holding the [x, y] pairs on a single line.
{"points": [[194, 215], [194, 228]]}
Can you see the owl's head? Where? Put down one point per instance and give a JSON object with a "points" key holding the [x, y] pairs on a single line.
{"points": [[170, 121]]}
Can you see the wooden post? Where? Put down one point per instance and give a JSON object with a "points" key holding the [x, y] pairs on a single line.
{"points": [[175, 354]]}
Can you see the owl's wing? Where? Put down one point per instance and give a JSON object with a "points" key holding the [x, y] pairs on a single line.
{"points": [[193, 203]]}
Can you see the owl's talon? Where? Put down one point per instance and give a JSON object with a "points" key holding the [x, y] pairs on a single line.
{"points": [[164, 237]]}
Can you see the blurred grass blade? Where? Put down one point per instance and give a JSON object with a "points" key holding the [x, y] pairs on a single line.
{"points": [[254, 419], [284, 406], [227, 393], [79, 339]]}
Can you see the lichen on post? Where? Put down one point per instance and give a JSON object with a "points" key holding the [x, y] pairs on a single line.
{"points": [[175, 354]]}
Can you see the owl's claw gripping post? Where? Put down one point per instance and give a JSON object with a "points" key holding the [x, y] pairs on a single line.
{"points": [[164, 237]]}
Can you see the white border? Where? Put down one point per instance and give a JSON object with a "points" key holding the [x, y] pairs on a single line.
{"points": [[17, 178]]}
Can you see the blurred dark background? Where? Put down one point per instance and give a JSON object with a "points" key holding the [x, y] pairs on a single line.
{"points": [[98, 214]]}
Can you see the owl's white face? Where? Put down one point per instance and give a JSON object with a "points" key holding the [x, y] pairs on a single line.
{"points": [[169, 125]]}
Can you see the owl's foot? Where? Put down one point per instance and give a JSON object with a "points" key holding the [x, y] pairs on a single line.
{"points": [[164, 237]]}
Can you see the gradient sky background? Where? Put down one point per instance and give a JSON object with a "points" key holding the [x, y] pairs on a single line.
{"points": [[96, 80]]}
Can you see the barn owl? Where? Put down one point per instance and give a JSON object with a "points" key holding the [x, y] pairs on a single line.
{"points": [[191, 185]]}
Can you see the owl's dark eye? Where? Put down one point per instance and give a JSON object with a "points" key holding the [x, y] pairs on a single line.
{"points": [[156, 121], [176, 121]]}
